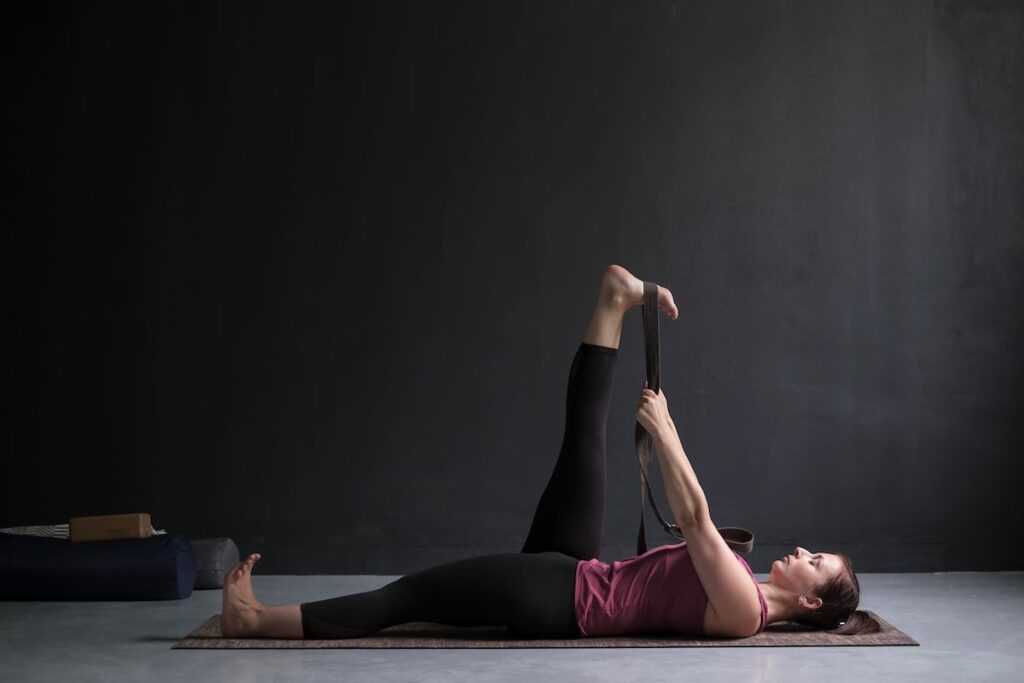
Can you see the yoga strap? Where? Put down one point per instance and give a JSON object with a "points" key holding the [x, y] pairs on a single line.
{"points": [[740, 540]]}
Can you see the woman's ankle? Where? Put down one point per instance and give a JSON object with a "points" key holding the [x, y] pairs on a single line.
{"points": [[284, 621]]}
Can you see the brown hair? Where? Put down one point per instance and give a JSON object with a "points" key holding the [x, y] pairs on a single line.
{"points": [[838, 613]]}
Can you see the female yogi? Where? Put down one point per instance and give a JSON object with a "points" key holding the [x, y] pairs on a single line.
{"points": [[555, 587]]}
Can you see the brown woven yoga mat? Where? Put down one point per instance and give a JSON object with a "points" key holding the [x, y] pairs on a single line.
{"points": [[421, 634]]}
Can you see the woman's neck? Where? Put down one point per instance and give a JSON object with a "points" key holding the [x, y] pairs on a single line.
{"points": [[779, 602]]}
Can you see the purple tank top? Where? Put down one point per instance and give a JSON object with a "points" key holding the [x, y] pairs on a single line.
{"points": [[657, 591]]}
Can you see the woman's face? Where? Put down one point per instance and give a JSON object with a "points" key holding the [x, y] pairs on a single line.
{"points": [[802, 571]]}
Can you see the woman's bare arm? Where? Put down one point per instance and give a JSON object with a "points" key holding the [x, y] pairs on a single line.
{"points": [[685, 496]]}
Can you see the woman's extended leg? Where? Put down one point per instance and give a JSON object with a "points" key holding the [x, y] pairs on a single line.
{"points": [[570, 514], [530, 594]]}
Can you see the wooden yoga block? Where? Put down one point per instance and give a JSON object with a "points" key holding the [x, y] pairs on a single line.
{"points": [[111, 527]]}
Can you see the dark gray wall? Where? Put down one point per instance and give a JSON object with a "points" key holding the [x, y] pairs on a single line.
{"points": [[311, 277]]}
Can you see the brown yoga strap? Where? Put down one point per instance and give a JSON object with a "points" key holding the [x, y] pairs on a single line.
{"points": [[740, 540]]}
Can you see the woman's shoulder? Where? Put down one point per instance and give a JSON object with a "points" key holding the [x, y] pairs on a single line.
{"points": [[732, 591]]}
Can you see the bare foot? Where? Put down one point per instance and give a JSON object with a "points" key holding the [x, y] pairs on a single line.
{"points": [[619, 284], [240, 613]]}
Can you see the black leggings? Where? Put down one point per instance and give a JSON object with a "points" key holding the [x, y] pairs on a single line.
{"points": [[531, 592]]}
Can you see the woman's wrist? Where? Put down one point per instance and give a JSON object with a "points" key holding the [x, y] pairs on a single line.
{"points": [[667, 431]]}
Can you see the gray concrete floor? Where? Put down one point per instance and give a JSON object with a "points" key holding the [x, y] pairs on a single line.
{"points": [[969, 626]]}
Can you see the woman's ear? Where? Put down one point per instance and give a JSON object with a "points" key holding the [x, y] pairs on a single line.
{"points": [[810, 602]]}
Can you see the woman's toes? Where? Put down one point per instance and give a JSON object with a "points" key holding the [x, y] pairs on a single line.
{"points": [[244, 568], [667, 303], [235, 574]]}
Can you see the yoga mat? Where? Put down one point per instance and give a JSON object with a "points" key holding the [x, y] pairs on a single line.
{"points": [[422, 634]]}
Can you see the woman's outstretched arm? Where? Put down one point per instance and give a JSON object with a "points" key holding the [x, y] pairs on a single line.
{"points": [[685, 496]]}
